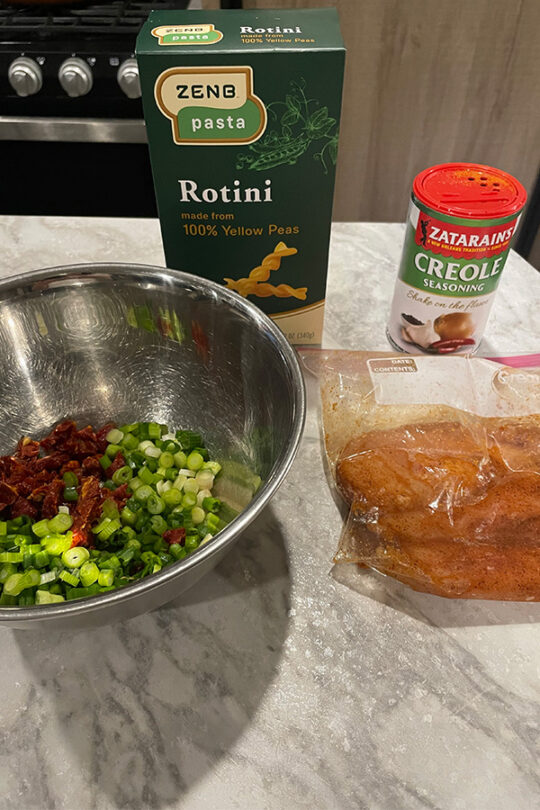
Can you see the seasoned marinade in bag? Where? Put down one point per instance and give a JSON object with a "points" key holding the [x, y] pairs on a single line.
{"points": [[439, 461]]}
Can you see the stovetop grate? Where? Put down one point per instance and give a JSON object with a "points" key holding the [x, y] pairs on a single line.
{"points": [[120, 17]]}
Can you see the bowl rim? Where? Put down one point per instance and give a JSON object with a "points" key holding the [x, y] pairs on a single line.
{"points": [[61, 275]]}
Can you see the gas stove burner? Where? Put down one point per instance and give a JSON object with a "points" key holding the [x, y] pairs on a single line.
{"points": [[74, 60], [118, 18]]}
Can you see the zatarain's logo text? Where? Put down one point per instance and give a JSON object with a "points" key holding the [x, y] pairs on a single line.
{"points": [[211, 105]]}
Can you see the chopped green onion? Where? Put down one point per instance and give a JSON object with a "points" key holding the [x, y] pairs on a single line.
{"points": [[158, 524], [212, 522], [60, 523], [109, 529], [70, 494], [11, 557], [179, 483], [114, 436], [89, 573], [134, 484], [191, 542], [56, 544], [180, 459], [70, 577], [205, 479], [3, 527], [146, 443], [47, 598], [194, 461], [166, 460], [163, 486], [130, 442], [202, 494], [172, 497], [154, 504], [191, 485], [188, 439], [189, 500], [127, 516], [19, 582], [197, 515], [41, 559], [101, 525], [152, 452], [176, 551], [122, 475], [41, 528], [6, 570], [213, 466], [154, 430], [106, 577], [47, 577], [75, 557], [211, 504], [186, 472], [132, 428], [105, 462], [146, 476], [70, 479], [113, 450], [111, 562], [110, 509], [143, 493]]}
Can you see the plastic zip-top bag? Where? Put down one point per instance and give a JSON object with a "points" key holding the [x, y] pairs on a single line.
{"points": [[439, 461]]}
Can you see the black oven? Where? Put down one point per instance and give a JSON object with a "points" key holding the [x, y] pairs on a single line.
{"points": [[72, 135]]}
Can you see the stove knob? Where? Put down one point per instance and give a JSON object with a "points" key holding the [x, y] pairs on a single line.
{"points": [[128, 78], [25, 76], [75, 77]]}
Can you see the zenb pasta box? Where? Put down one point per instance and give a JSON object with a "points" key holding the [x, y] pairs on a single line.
{"points": [[242, 113]]}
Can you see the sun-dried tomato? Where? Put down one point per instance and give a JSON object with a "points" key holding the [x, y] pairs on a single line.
{"points": [[119, 495], [88, 507], [23, 507], [24, 488], [58, 435], [71, 466], [81, 537], [175, 536], [52, 462], [91, 466], [101, 436], [26, 448], [7, 495], [52, 501]]}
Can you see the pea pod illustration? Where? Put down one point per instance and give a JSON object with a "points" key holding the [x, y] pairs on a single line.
{"points": [[289, 153], [295, 124]]}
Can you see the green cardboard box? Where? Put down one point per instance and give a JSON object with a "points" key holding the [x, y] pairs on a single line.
{"points": [[242, 112]]}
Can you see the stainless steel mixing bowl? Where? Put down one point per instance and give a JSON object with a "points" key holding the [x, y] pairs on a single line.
{"points": [[86, 342]]}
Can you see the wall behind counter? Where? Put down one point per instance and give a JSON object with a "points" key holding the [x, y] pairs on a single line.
{"points": [[431, 81]]}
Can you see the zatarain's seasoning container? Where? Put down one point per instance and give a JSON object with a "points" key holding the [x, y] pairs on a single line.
{"points": [[462, 218]]}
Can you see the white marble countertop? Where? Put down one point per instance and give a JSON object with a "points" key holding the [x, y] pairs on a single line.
{"points": [[280, 682]]}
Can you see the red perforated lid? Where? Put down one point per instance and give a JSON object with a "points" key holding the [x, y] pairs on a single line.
{"points": [[470, 190]]}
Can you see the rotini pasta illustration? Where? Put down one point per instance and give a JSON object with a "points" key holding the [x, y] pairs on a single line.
{"points": [[257, 282]]}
